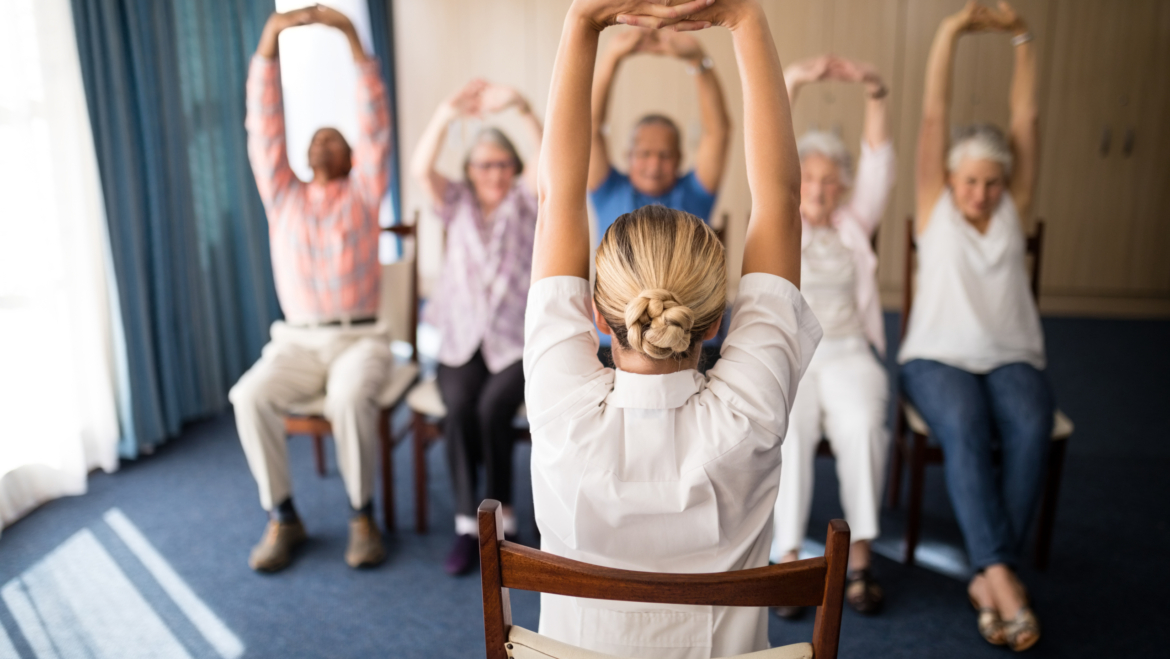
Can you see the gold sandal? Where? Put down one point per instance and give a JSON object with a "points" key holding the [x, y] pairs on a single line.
{"points": [[991, 627], [1024, 624]]}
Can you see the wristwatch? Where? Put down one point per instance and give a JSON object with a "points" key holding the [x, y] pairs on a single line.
{"points": [[705, 64]]}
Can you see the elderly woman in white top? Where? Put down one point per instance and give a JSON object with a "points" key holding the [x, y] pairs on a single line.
{"points": [[973, 357], [654, 466], [844, 394], [490, 218]]}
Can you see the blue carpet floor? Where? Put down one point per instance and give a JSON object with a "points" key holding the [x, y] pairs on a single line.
{"points": [[195, 504]]}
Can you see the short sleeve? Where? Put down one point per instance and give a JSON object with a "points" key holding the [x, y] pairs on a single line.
{"points": [[772, 338], [561, 371], [695, 198], [454, 194]]}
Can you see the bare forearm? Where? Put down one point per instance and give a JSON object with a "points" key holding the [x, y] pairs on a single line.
{"points": [[269, 38], [426, 154], [535, 132], [773, 239], [1023, 95], [355, 44], [562, 232], [712, 154], [936, 99]]}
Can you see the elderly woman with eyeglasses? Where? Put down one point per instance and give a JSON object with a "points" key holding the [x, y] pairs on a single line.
{"points": [[490, 218]]}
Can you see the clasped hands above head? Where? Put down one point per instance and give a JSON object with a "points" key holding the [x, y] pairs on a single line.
{"points": [[675, 15]]}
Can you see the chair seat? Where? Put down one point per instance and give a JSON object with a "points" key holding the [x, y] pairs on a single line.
{"points": [[1062, 426], [425, 399], [401, 377], [525, 644]]}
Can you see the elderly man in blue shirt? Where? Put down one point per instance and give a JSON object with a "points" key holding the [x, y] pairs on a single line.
{"points": [[656, 143]]}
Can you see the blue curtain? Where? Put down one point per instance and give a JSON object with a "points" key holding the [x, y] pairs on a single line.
{"points": [[164, 82], [382, 31]]}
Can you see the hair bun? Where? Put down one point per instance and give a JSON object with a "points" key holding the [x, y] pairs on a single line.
{"points": [[657, 324]]}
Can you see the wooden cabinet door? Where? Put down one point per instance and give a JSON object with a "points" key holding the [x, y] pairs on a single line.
{"points": [[1106, 201]]}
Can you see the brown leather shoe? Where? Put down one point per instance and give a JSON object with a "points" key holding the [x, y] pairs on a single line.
{"points": [[365, 543], [274, 552]]}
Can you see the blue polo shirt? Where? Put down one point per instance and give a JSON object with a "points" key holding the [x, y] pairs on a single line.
{"points": [[617, 196]]}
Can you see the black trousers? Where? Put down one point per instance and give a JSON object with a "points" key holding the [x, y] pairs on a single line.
{"points": [[480, 408]]}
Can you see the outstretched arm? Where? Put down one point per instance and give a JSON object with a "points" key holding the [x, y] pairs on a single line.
{"points": [[773, 235], [803, 72], [622, 45], [931, 166], [465, 102], [562, 229], [1025, 112], [497, 98]]}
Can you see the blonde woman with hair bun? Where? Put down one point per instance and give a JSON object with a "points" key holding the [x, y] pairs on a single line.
{"points": [[653, 466]]}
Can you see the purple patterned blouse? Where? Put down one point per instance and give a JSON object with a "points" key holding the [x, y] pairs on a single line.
{"points": [[483, 290]]}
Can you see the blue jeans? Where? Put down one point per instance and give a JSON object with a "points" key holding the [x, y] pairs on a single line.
{"points": [[1012, 408]]}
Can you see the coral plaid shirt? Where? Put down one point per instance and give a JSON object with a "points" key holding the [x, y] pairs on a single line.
{"points": [[324, 237]]}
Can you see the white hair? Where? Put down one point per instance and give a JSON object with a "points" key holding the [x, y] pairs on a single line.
{"points": [[980, 142], [828, 145]]}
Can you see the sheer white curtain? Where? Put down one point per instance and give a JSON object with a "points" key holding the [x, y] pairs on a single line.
{"points": [[58, 418]]}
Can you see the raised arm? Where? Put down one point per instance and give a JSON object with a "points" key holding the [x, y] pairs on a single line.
{"points": [[716, 124], [803, 72], [497, 98], [562, 229], [621, 45], [264, 122], [930, 174], [464, 102], [1025, 112], [772, 244]]}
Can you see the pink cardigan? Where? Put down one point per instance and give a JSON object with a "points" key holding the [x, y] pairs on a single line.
{"points": [[855, 222]]}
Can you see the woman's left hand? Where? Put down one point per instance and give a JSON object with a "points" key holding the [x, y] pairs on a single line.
{"points": [[654, 14], [847, 70], [1004, 18]]}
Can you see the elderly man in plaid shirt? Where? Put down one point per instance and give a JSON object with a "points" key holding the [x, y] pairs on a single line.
{"points": [[324, 239]]}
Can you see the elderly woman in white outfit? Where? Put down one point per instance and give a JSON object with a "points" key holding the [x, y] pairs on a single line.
{"points": [[653, 466], [973, 358], [844, 394]]}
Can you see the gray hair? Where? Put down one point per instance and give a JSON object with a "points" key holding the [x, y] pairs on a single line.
{"points": [[496, 137], [979, 142], [658, 120], [828, 145]]}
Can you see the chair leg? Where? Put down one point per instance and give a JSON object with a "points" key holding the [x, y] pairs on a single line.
{"points": [[387, 442], [420, 473], [914, 505], [319, 454], [1047, 519], [894, 487]]}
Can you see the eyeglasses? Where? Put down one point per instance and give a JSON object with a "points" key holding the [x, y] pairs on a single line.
{"points": [[502, 165]]}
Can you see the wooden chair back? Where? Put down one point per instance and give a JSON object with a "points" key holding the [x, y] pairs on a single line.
{"points": [[399, 304], [818, 582], [1033, 245]]}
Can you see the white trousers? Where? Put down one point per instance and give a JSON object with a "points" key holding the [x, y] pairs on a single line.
{"points": [[349, 365], [842, 397]]}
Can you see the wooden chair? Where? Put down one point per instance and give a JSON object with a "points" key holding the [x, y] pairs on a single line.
{"points": [[918, 451], [398, 309], [818, 582]]}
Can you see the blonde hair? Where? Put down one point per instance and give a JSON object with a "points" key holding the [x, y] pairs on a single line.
{"points": [[661, 281]]}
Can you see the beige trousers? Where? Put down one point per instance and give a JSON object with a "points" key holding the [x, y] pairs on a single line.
{"points": [[349, 365], [843, 397]]}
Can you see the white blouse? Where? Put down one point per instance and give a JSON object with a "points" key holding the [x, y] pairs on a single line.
{"points": [[973, 308], [661, 473], [828, 280]]}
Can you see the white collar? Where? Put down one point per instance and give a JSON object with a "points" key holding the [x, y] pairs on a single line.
{"points": [[654, 392]]}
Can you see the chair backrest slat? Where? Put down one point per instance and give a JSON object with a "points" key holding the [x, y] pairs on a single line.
{"points": [[818, 582], [801, 583]]}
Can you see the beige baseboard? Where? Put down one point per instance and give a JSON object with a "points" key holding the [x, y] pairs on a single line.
{"points": [[1090, 306]]}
